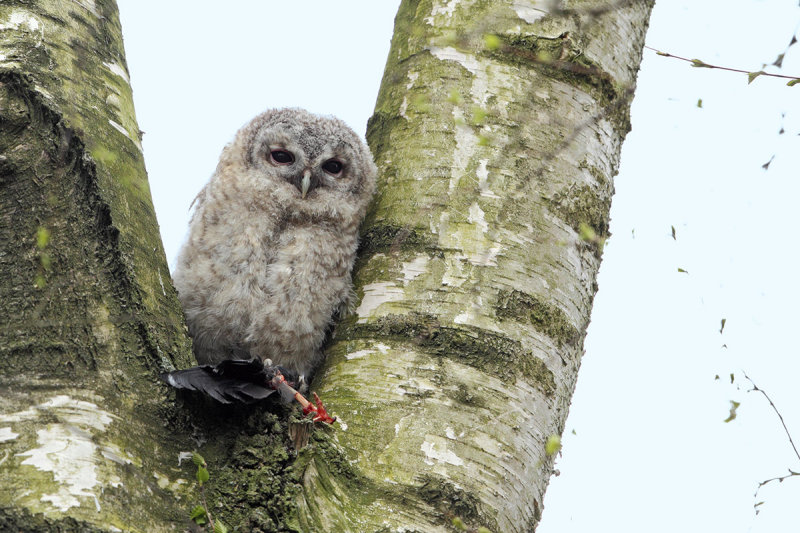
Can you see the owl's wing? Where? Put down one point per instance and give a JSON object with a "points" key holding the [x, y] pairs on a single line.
{"points": [[233, 380], [244, 381]]}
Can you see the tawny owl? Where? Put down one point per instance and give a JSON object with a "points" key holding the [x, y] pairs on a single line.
{"points": [[273, 239]]}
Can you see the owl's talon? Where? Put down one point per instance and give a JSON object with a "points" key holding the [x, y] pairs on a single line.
{"points": [[320, 413]]}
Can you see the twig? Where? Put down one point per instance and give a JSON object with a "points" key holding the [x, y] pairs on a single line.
{"points": [[779, 479], [205, 505], [702, 64], [792, 473], [774, 408]]}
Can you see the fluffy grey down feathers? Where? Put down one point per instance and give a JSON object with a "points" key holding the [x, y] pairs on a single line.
{"points": [[264, 269]]}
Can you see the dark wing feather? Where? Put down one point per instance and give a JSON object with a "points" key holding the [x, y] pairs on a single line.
{"points": [[233, 380], [250, 370]]}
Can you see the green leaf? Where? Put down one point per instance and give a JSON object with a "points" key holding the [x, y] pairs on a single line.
{"points": [[586, 232], [753, 75], [663, 54], [732, 415], [449, 37], [700, 64], [673, 233], [682, 271], [45, 260], [732, 378], [792, 83], [198, 460], [491, 41], [199, 515], [722, 325], [202, 475], [421, 103], [454, 97], [459, 524], [552, 445], [700, 103], [219, 527], [478, 115], [42, 237]]}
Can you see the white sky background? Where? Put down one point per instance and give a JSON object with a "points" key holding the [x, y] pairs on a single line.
{"points": [[651, 452]]}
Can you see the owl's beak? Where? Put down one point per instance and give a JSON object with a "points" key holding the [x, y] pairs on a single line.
{"points": [[305, 184]]}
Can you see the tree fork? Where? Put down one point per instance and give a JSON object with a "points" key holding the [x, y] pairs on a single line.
{"points": [[475, 283]]}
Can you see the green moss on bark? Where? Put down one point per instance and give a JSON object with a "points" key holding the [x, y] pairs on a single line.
{"points": [[487, 351], [581, 204], [248, 457], [450, 500], [75, 86], [545, 317], [389, 238], [22, 521], [562, 58]]}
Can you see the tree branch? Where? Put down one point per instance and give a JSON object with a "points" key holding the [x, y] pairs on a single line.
{"points": [[698, 63], [791, 473], [774, 408]]}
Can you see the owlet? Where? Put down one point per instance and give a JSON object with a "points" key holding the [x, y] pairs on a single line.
{"points": [[273, 239]]}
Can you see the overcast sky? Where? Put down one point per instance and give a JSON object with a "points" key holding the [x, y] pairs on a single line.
{"points": [[650, 451]]}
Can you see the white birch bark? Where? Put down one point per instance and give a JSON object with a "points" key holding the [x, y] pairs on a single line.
{"points": [[497, 132]]}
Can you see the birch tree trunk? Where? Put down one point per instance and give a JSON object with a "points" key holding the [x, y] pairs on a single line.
{"points": [[88, 313], [497, 132]]}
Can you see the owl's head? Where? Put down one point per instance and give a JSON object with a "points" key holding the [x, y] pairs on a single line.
{"points": [[310, 165]]}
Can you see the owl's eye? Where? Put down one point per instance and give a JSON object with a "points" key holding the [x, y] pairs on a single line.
{"points": [[281, 157], [332, 167]]}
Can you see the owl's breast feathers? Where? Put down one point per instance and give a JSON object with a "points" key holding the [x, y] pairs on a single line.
{"points": [[306, 281]]}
